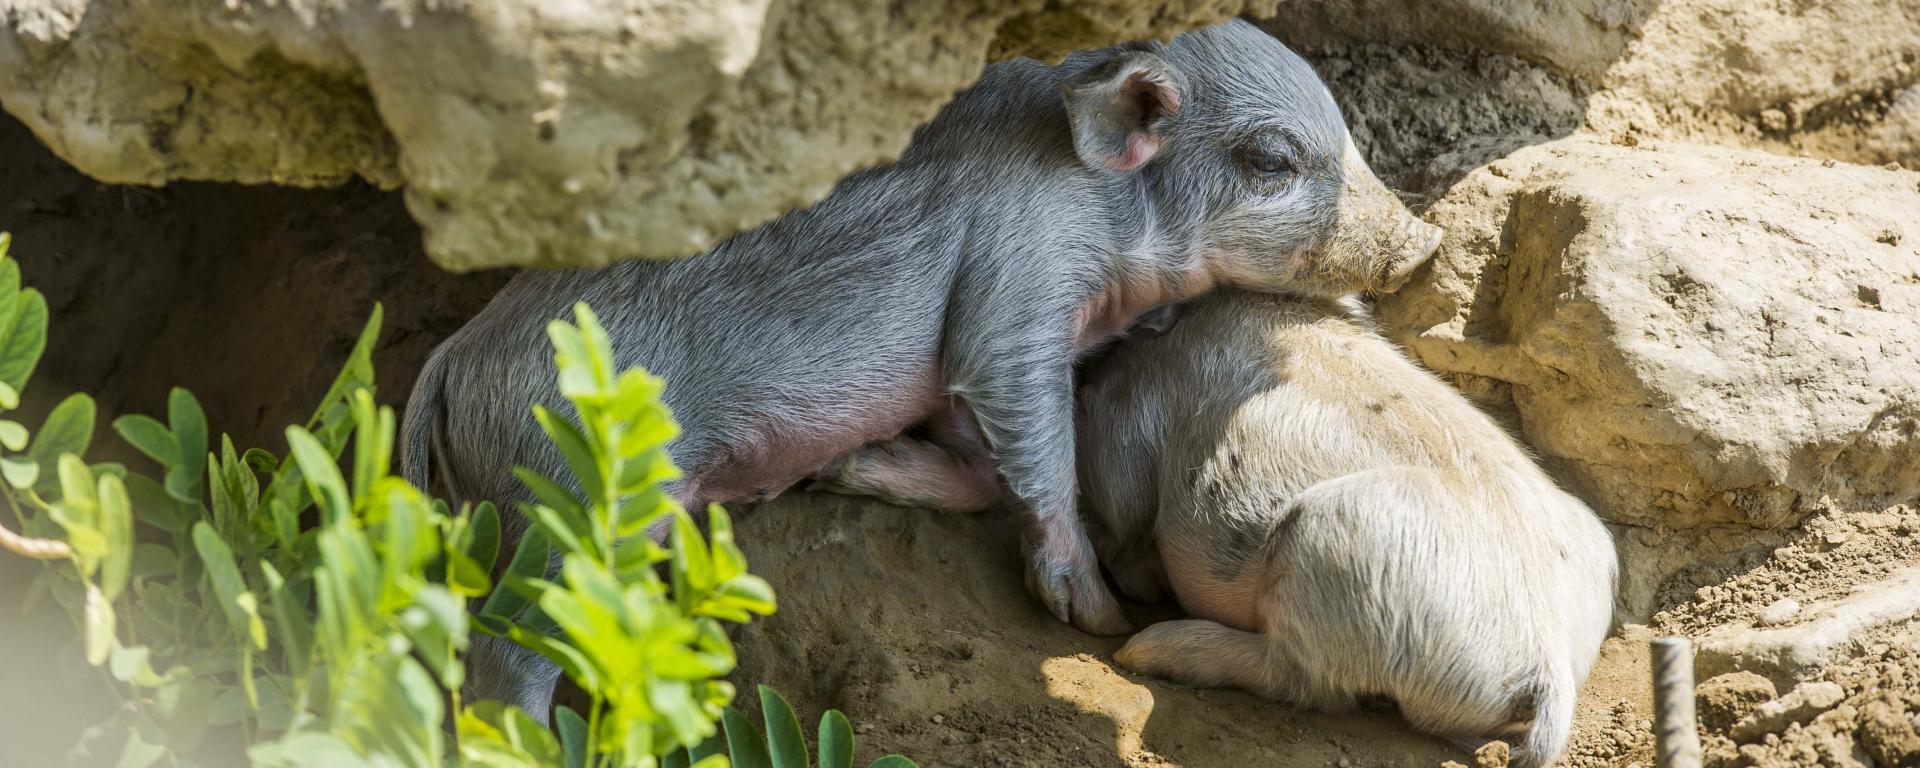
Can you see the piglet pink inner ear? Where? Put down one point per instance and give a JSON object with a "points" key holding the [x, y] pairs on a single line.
{"points": [[1120, 107]]}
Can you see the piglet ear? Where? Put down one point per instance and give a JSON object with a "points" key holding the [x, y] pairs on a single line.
{"points": [[1121, 107]]}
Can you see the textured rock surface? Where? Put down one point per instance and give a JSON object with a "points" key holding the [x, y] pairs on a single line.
{"points": [[1579, 36], [1690, 334], [527, 131], [1787, 77]]}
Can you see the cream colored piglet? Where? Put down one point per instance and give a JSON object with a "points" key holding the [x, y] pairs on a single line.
{"points": [[1339, 523]]}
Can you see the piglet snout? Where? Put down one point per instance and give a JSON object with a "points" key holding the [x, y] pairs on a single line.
{"points": [[1417, 243]]}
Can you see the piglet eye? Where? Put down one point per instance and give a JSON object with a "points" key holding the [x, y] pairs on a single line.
{"points": [[1269, 163]]}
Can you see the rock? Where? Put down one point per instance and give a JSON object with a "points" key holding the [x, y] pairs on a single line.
{"points": [[1834, 629], [1581, 36], [528, 132], [1688, 335], [1806, 77], [1801, 704], [1888, 733], [1493, 754], [1721, 701], [1779, 611]]}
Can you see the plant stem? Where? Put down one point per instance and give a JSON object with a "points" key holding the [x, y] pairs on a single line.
{"points": [[593, 732], [38, 549]]}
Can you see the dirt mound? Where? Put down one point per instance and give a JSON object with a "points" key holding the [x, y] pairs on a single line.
{"points": [[917, 626], [1853, 703]]}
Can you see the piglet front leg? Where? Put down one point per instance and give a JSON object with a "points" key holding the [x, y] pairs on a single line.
{"points": [[1010, 357]]}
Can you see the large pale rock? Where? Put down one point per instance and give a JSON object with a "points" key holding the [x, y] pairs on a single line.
{"points": [[1578, 36], [552, 132], [1835, 78], [1687, 334]]}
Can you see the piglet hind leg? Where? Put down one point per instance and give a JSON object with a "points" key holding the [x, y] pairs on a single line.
{"points": [[950, 471], [1208, 655]]}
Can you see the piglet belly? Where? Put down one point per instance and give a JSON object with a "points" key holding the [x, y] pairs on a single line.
{"points": [[800, 440]]}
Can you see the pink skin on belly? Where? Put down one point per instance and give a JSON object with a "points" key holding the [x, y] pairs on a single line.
{"points": [[783, 454], [787, 454]]}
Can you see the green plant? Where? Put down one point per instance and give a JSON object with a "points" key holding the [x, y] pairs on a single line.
{"points": [[783, 746], [647, 653], [311, 615]]}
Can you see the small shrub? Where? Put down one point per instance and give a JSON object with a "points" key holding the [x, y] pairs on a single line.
{"points": [[318, 616]]}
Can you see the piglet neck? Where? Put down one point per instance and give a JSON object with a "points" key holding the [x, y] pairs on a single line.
{"points": [[1129, 296]]}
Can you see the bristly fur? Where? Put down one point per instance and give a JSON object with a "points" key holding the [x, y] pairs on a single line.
{"points": [[999, 246], [1340, 523]]}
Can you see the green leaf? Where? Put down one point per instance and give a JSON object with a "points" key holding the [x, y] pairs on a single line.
{"points": [[676, 759], [735, 600], [76, 482], [788, 747], [9, 397], [151, 560], [493, 734], [482, 544], [155, 507], [25, 339], [744, 744], [260, 461], [573, 446], [692, 567], [132, 665], [568, 658], [145, 746], [9, 290], [836, 740], [256, 629], [19, 473], [291, 620], [190, 434], [13, 435], [99, 622], [228, 708], [714, 745], [68, 429], [228, 586], [149, 437], [549, 493], [466, 577], [573, 736], [116, 525], [529, 562], [324, 481], [302, 749], [893, 761], [438, 627], [356, 374]]}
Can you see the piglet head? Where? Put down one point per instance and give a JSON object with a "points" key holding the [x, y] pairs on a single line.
{"points": [[1246, 160]]}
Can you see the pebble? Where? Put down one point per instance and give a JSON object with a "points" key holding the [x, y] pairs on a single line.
{"points": [[938, 719], [1799, 705], [1779, 611]]}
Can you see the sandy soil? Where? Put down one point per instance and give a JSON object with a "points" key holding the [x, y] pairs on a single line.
{"points": [[916, 625]]}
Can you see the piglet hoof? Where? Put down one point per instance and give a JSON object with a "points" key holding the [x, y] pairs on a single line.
{"points": [[1072, 590]]}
